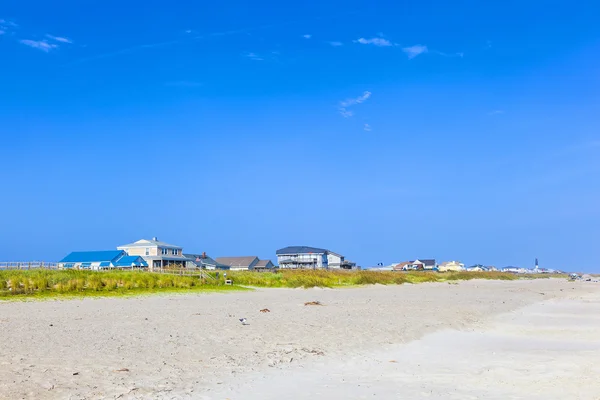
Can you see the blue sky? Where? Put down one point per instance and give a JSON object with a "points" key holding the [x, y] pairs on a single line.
{"points": [[382, 131]]}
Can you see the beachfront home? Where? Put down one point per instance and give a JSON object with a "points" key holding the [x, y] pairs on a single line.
{"points": [[203, 261], [245, 263], [97, 260], [302, 257], [447, 266], [264, 265], [306, 257], [156, 253], [338, 261]]}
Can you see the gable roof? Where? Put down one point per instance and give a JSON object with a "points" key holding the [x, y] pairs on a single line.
{"points": [[146, 243], [428, 262], [92, 256], [301, 250], [245, 261], [128, 261], [402, 264], [263, 263]]}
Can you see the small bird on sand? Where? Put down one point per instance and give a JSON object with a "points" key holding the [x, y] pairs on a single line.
{"points": [[243, 321]]}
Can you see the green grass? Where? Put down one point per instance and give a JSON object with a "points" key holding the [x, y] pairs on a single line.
{"points": [[49, 283], [323, 278]]}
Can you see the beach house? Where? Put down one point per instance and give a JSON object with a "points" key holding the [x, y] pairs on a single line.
{"points": [[306, 257], [244, 263], [204, 262], [416, 265], [156, 253], [447, 266], [97, 260], [264, 265]]}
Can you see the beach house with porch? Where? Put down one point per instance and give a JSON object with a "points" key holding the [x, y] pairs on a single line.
{"points": [[157, 254]]}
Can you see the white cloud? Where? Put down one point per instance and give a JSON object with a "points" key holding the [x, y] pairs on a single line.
{"points": [[6, 23], [380, 42], [59, 39], [306, 36], [336, 44], [254, 56], [496, 112], [343, 109], [358, 100], [367, 128], [42, 45], [414, 51], [345, 113]]}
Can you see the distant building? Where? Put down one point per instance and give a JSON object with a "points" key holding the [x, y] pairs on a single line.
{"points": [[403, 266], [203, 261], [239, 263], [157, 254], [264, 264], [306, 257], [97, 260], [447, 266]]}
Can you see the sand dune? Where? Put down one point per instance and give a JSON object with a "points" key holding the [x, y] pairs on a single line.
{"points": [[478, 339]]}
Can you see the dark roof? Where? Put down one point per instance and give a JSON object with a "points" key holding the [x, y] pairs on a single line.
{"points": [[202, 259], [92, 256], [237, 261], [301, 250], [427, 261]]}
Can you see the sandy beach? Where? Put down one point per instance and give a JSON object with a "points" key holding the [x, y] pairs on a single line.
{"points": [[472, 340]]}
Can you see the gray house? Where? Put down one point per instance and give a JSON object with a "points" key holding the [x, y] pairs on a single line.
{"points": [[203, 261], [239, 263], [306, 257]]}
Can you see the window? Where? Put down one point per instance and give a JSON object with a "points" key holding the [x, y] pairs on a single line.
{"points": [[164, 252], [174, 252], [147, 251]]}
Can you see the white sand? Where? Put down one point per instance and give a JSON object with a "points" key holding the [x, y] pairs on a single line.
{"points": [[476, 340]]}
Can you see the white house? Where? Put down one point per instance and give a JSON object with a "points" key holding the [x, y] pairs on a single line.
{"points": [[305, 257], [157, 254]]}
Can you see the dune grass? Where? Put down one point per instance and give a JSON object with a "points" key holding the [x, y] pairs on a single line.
{"points": [[323, 278], [50, 283], [73, 283]]}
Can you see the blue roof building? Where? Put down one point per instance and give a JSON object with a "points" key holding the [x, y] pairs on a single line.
{"points": [[96, 260]]}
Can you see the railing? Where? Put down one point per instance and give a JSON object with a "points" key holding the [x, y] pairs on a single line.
{"points": [[183, 272], [4, 265]]}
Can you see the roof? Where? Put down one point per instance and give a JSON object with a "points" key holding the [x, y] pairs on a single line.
{"points": [[457, 263], [202, 259], [402, 264], [245, 261], [301, 250], [128, 261], [263, 263], [426, 261], [92, 256], [146, 243]]}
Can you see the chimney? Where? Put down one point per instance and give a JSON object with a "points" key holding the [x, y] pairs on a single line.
{"points": [[155, 239], [203, 254]]}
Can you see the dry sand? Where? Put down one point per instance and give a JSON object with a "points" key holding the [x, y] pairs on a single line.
{"points": [[475, 340]]}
